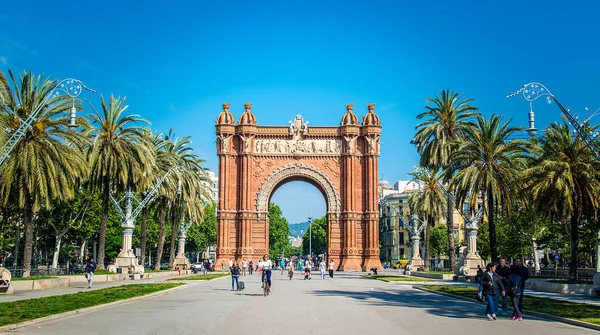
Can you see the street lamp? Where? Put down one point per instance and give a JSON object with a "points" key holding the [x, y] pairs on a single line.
{"points": [[72, 87], [310, 235], [533, 91]]}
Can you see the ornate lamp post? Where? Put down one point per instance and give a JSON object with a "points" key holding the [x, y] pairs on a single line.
{"points": [[126, 259], [415, 227], [533, 91], [180, 260], [72, 87]]}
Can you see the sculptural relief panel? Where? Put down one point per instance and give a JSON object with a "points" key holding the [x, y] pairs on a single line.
{"points": [[290, 147]]}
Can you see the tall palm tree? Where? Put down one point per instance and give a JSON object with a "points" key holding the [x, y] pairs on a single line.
{"points": [[48, 162], [118, 158], [156, 145], [446, 122], [429, 200], [565, 182], [488, 161]]}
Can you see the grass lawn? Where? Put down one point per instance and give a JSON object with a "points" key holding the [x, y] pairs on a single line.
{"points": [[395, 278], [565, 309], [32, 278], [202, 277], [440, 272], [154, 271], [24, 310]]}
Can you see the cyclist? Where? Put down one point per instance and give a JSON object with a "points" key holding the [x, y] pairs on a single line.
{"points": [[266, 265]]}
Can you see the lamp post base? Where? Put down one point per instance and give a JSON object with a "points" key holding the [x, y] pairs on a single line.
{"points": [[128, 262], [181, 262], [469, 266]]}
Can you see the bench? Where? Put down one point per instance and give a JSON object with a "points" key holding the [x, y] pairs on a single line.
{"points": [[5, 278]]}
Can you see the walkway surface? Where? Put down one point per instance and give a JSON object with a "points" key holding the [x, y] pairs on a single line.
{"points": [[347, 304]]}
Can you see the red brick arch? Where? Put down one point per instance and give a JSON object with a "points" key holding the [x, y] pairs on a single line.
{"points": [[340, 161]]}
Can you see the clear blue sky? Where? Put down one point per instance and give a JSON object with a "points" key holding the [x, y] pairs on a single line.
{"points": [[176, 63]]}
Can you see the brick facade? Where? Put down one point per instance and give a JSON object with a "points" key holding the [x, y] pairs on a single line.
{"points": [[340, 161]]}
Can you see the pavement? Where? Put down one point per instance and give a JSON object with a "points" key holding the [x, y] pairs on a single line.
{"points": [[348, 304]]}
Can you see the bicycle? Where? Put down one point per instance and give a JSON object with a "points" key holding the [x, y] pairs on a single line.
{"points": [[265, 286]]}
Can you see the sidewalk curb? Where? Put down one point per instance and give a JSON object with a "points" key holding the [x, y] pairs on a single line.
{"points": [[14, 327], [572, 322]]}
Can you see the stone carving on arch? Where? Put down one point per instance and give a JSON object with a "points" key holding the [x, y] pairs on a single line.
{"points": [[298, 170]]}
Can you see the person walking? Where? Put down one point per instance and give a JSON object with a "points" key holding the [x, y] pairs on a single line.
{"points": [[235, 275], [223, 267], [244, 267], [90, 267], [282, 265], [250, 267], [322, 267], [523, 273], [515, 290], [492, 286], [330, 269], [206, 267], [503, 271], [230, 264]]}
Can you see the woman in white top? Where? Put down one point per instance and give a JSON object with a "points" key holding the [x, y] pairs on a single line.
{"points": [[322, 268], [266, 265], [330, 268]]}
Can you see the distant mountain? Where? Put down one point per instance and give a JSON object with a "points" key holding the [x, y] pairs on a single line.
{"points": [[298, 229]]}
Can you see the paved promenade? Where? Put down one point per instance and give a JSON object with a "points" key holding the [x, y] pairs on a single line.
{"points": [[345, 305]]}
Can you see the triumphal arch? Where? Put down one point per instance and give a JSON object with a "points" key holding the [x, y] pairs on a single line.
{"points": [[340, 161]]}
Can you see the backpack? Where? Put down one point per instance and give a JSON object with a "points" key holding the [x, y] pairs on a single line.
{"points": [[480, 296], [513, 285]]}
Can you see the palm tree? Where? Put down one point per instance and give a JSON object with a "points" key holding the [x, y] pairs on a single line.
{"points": [[446, 122], [429, 200], [156, 145], [47, 163], [488, 161], [118, 157], [565, 182]]}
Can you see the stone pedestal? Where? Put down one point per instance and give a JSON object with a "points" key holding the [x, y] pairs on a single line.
{"points": [[181, 261], [416, 261], [6, 277], [126, 260], [472, 260]]}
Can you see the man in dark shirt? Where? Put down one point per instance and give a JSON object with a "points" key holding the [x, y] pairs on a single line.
{"points": [[523, 273], [89, 271], [503, 271]]}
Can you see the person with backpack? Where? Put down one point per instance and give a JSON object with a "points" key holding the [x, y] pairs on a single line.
{"points": [[492, 286], [90, 267], [235, 275], [250, 267], [515, 291]]}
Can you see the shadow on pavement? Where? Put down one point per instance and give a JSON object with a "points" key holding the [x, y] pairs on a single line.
{"points": [[434, 304]]}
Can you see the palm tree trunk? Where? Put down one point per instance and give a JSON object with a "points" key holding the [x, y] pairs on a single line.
{"points": [[28, 225], [143, 236], [492, 225], [450, 226], [103, 220], [427, 238], [161, 233], [574, 245], [173, 236]]}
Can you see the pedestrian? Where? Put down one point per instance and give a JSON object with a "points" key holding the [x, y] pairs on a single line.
{"points": [[250, 267], [479, 274], [244, 267], [503, 271], [492, 286], [230, 263], [515, 290], [206, 267], [522, 272], [235, 275], [330, 269], [322, 268], [223, 266], [90, 267]]}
